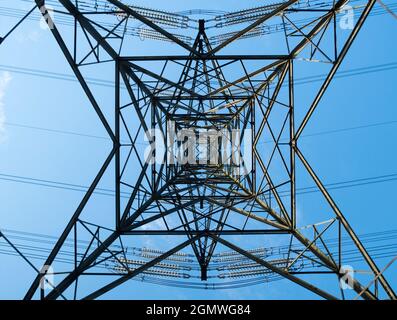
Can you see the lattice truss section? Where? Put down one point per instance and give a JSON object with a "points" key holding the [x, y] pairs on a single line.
{"points": [[205, 217]]}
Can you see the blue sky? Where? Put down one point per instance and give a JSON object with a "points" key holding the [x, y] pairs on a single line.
{"points": [[29, 100]]}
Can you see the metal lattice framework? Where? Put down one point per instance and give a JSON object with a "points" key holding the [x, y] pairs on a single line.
{"points": [[205, 207]]}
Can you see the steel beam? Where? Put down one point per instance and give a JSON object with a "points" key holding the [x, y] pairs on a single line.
{"points": [[139, 270], [336, 65], [347, 226], [277, 270]]}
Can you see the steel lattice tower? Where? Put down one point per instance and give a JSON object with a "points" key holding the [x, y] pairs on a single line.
{"points": [[205, 206]]}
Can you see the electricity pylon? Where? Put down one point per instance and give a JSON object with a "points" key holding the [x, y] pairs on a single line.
{"points": [[205, 206]]}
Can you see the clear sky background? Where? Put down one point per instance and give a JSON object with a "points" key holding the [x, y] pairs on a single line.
{"points": [[366, 102]]}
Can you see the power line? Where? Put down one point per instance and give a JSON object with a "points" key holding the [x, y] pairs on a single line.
{"points": [[110, 192], [17, 125], [110, 84], [86, 135], [365, 126], [387, 9], [378, 251], [202, 246]]}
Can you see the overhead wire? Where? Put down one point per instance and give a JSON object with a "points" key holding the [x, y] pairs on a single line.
{"points": [[36, 252], [161, 17], [109, 192], [78, 187]]}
